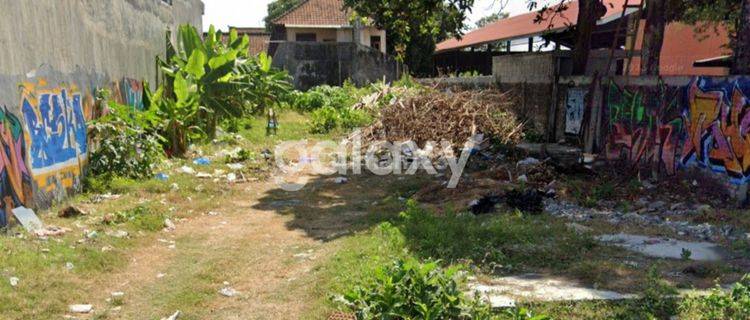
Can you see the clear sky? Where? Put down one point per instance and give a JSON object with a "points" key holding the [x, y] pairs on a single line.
{"points": [[250, 13]]}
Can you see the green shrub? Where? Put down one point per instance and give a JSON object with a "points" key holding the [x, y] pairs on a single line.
{"points": [[659, 298], [324, 120], [125, 147], [351, 119], [407, 289], [719, 305]]}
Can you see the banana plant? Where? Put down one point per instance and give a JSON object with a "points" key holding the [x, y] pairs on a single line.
{"points": [[210, 66]]}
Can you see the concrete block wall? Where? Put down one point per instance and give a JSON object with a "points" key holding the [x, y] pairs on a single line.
{"points": [[55, 55], [312, 64]]}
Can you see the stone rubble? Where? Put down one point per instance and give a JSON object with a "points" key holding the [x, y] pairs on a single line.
{"points": [[705, 231]]}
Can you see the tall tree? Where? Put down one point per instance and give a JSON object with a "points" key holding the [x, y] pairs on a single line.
{"points": [[589, 12], [484, 21], [741, 63], [277, 8], [653, 36], [415, 26]]}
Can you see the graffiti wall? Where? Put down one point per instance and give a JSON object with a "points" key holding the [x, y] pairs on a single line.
{"points": [[704, 123], [55, 125], [128, 92], [15, 175], [717, 120]]}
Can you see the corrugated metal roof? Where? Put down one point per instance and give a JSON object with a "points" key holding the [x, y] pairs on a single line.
{"points": [[522, 26]]}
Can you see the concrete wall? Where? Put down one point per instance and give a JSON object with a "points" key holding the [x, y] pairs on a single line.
{"points": [[341, 35], [312, 64], [322, 34], [55, 55], [520, 68]]}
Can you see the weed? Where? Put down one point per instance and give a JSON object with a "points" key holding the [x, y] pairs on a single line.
{"points": [[719, 305], [407, 289], [140, 218], [658, 298], [686, 254], [508, 240]]}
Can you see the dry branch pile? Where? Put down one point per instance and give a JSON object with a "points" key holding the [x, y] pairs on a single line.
{"points": [[454, 117]]}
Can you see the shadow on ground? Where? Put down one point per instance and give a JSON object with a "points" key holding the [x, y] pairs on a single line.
{"points": [[326, 210]]}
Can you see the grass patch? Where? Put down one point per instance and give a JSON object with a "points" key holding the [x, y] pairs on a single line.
{"points": [[508, 241]]}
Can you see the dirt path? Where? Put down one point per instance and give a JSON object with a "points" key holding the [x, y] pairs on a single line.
{"points": [[255, 251]]}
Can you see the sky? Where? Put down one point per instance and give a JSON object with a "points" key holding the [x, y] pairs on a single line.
{"points": [[250, 13]]}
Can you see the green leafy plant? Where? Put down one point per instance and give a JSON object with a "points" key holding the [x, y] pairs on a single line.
{"points": [[208, 81], [659, 298], [407, 289], [686, 254], [140, 217], [324, 120], [126, 144], [719, 305]]}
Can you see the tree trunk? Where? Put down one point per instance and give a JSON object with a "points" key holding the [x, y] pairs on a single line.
{"points": [[589, 12], [741, 50], [653, 37]]}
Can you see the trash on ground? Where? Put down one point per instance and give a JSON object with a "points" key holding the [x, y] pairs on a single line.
{"points": [[71, 212], [236, 166], [80, 308], [104, 197], [203, 175], [203, 161], [69, 266], [484, 205], [187, 170], [162, 176], [169, 225], [528, 162], [341, 180], [51, 231], [231, 178], [228, 292], [118, 234], [174, 316], [14, 281], [28, 219], [528, 201]]}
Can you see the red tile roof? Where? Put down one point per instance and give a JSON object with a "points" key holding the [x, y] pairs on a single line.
{"points": [[522, 26], [315, 13], [683, 46]]}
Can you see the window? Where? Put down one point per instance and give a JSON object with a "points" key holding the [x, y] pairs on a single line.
{"points": [[375, 42], [306, 37]]}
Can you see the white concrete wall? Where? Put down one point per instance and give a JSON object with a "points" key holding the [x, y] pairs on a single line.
{"points": [[343, 35], [322, 34], [367, 32]]}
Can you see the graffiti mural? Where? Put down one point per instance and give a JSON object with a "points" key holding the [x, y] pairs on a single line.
{"points": [[56, 128], [705, 124], [15, 176], [718, 127], [645, 126], [574, 110], [129, 92]]}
